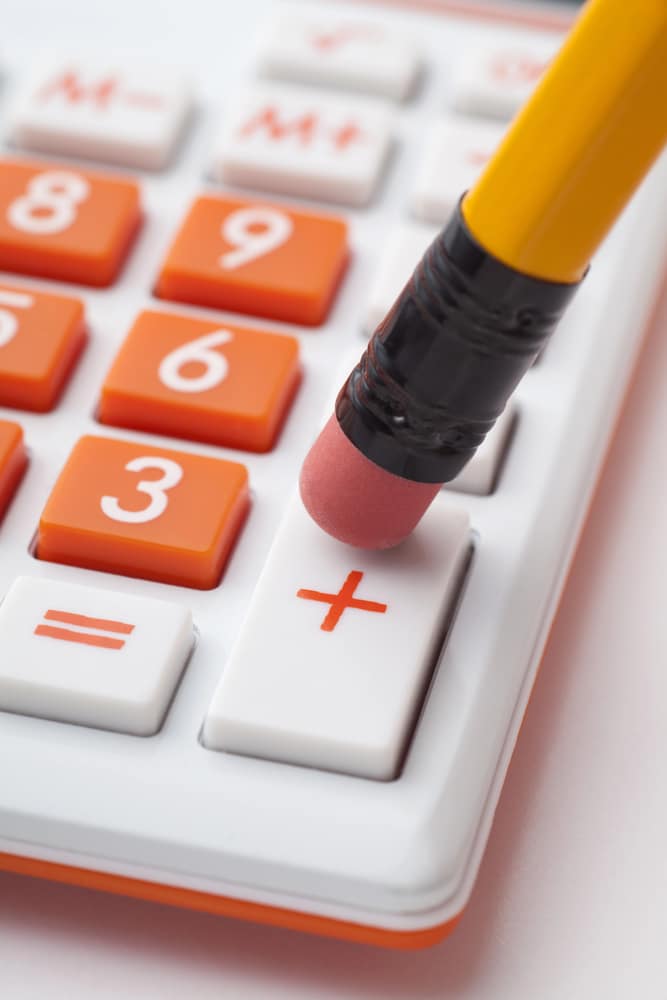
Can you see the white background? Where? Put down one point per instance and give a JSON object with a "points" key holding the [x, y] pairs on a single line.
{"points": [[571, 902]]}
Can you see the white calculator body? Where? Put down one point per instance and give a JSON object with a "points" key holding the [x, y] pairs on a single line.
{"points": [[203, 699]]}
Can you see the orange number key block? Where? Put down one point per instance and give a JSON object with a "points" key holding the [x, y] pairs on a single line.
{"points": [[203, 380], [61, 222], [41, 336], [13, 460], [268, 260], [130, 508]]}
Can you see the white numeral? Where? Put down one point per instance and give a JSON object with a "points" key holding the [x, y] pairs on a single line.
{"points": [[253, 232], [50, 203], [154, 488], [8, 321], [198, 351]]}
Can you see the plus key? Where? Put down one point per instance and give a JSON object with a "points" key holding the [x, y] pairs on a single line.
{"points": [[303, 686], [341, 601]]}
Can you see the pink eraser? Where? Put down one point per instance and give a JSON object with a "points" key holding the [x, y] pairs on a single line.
{"points": [[355, 500]]}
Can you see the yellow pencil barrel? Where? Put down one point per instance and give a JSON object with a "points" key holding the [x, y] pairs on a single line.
{"points": [[580, 146]]}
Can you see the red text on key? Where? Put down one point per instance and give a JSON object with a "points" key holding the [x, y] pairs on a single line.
{"points": [[101, 93], [306, 129]]}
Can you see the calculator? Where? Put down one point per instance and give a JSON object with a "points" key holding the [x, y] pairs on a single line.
{"points": [[204, 700]]}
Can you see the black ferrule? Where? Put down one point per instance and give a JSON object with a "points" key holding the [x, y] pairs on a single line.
{"points": [[442, 364]]}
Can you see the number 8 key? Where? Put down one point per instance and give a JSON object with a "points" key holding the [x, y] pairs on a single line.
{"points": [[65, 223]]}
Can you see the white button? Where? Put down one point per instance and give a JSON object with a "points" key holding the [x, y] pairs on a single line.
{"points": [[401, 252], [130, 116], [355, 55], [481, 472], [495, 78], [338, 645], [93, 657], [456, 152], [305, 144]]}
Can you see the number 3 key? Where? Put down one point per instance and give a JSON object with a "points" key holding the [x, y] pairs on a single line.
{"points": [[130, 508]]}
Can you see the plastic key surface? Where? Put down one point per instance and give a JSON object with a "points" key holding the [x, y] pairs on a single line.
{"points": [[89, 656], [130, 115], [354, 55], [57, 221], [480, 474], [202, 379], [304, 143], [456, 151], [495, 77], [142, 511], [13, 461], [253, 257], [402, 248], [338, 645], [41, 337]]}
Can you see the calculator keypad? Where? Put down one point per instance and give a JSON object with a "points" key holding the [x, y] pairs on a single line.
{"points": [[13, 460], [255, 257], [90, 656], [142, 511], [41, 336], [202, 379], [58, 221], [306, 144], [173, 516], [132, 116]]}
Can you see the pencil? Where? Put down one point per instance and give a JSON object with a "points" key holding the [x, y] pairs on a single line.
{"points": [[489, 291]]}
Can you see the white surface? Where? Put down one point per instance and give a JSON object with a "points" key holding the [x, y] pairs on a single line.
{"points": [[494, 78], [455, 153], [348, 55], [303, 142], [126, 687], [292, 690], [567, 863], [402, 247], [132, 116], [481, 472]]}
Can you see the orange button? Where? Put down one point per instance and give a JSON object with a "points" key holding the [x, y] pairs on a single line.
{"points": [[142, 511], [268, 260], [61, 222], [41, 336], [203, 380], [13, 460]]}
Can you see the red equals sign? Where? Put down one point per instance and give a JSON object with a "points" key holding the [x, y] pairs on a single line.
{"points": [[84, 621]]}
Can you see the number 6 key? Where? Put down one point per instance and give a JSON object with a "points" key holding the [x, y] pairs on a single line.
{"points": [[198, 379], [129, 508]]}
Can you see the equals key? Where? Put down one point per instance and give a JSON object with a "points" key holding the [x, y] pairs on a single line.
{"points": [[88, 638]]}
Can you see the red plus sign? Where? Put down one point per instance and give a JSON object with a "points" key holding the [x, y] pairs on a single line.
{"points": [[345, 135], [341, 601]]}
